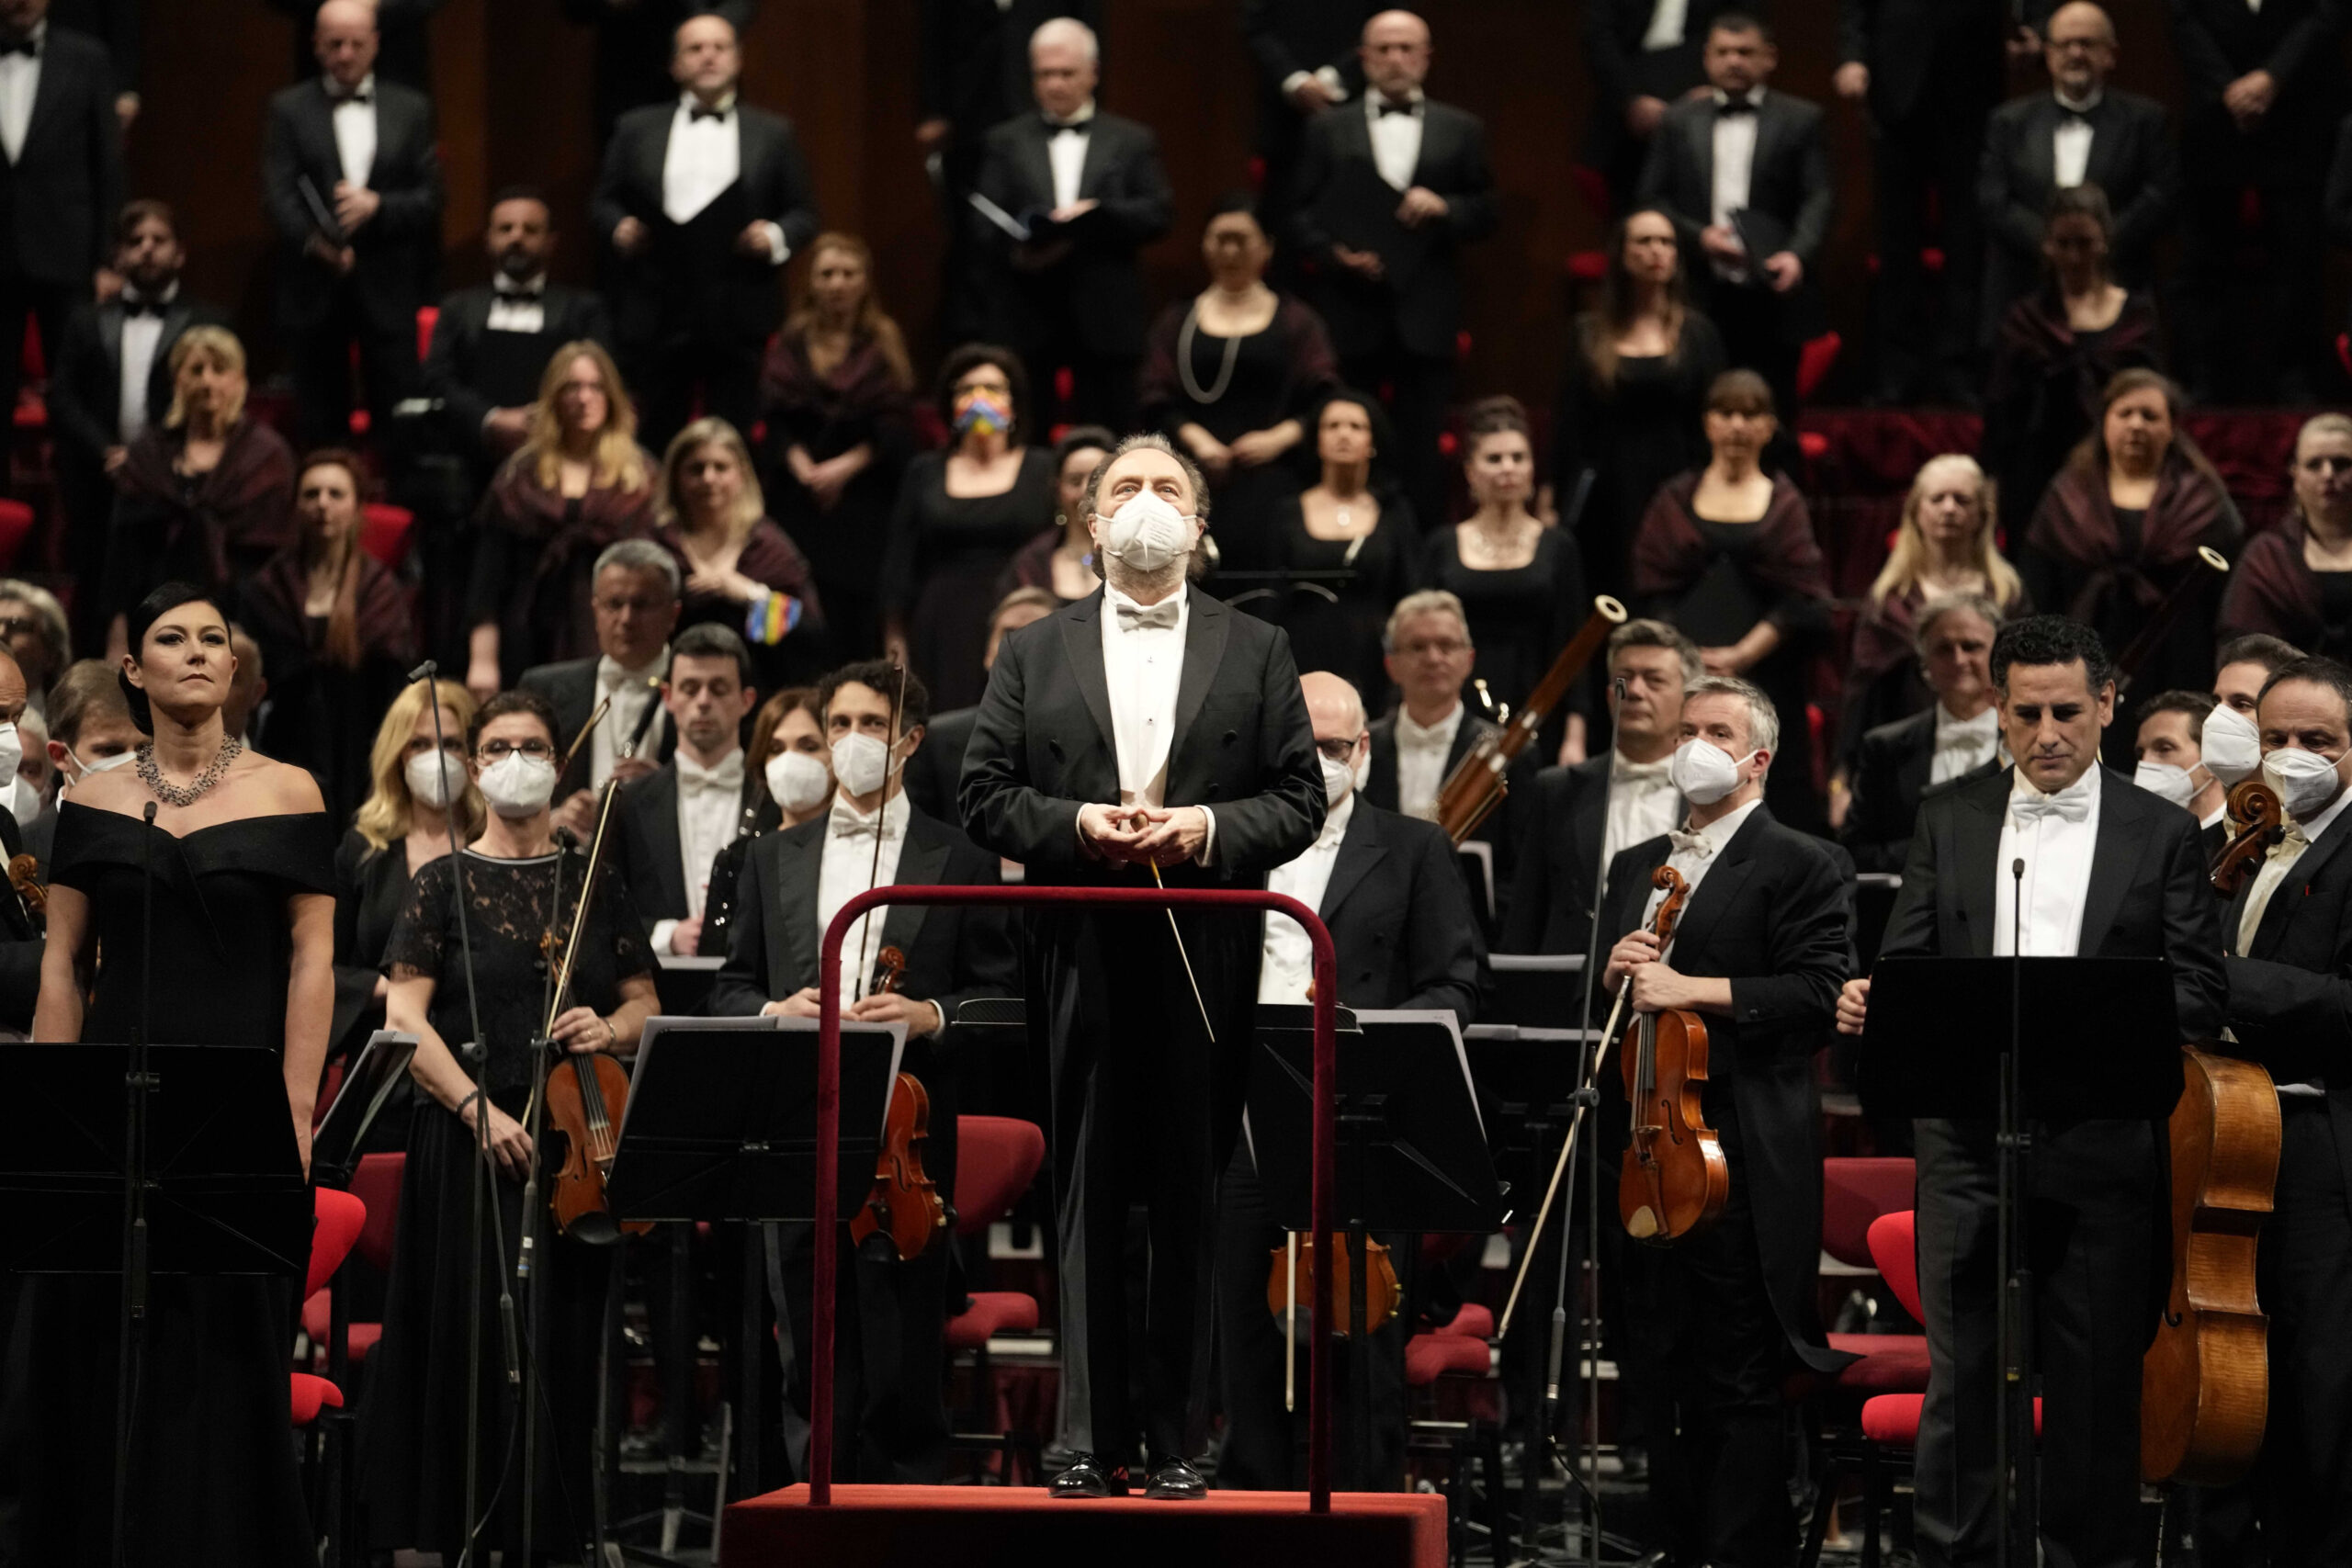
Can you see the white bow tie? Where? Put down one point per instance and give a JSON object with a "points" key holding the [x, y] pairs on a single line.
{"points": [[845, 825], [1136, 617], [1696, 845], [2028, 808], [1967, 734], [1624, 773], [725, 779]]}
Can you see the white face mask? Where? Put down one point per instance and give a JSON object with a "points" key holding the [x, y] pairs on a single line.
{"points": [[25, 803], [2231, 748], [1145, 534], [12, 750], [1338, 779], [862, 763], [2306, 782], [1703, 772], [433, 778], [797, 780], [2176, 784], [103, 765], [516, 785]]}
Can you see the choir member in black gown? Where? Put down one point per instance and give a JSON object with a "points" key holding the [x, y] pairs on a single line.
{"points": [[792, 775], [1519, 581], [1232, 376], [962, 515], [836, 392], [740, 570], [1060, 559], [579, 482], [2295, 581], [1352, 539], [1726, 555], [336, 633], [241, 955], [1632, 400], [413, 1442]]}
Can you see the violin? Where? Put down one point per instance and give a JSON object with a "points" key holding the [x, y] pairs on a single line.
{"points": [[24, 875], [2257, 808], [1675, 1179], [904, 1204], [1293, 1279]]}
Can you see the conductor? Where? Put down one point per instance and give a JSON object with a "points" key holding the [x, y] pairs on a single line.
{"points": [[1144, 726]]}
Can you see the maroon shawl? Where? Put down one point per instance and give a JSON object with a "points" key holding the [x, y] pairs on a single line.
{"points": [[1671, 554], [2075, 526], [243, 508], [518, 504], [769, 558], [275, 604], [2272, 591], [860, 398]]}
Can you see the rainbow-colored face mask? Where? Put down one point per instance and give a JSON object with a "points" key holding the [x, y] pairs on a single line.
{"points": [[983, 412]]}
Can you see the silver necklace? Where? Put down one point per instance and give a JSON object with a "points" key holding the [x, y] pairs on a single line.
{"points": [[1185, 360], [170, 793]]}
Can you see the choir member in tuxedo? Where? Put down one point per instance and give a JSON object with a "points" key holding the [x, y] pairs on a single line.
{"points": [[115, 25], [2265, 91], [1958, 733], [789, 779], [358, 244], [703, 200], [1568, 834], [1746, 164], [1088, 189], [406, 56], [1387, 194], [2294, 581], [933, 773], [742, 570], [632, 48], [335, 630], [1145, 726], [1759, 954], [673, 821], [110, 378], [2082, 131], [2169, 751], [20, 933], [205, 494], [1643, 56], [1305, 53], [890, 1361], [577, 484], [1385, 885], [1928, 72], [2111, 872], [635, 596], [61, 179]]}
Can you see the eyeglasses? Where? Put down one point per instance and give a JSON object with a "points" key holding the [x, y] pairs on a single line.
{"points": [[1338, 751], [498, 751], [1445, 649], [609, 606]]}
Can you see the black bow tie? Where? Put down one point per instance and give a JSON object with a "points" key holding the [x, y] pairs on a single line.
{"points": [[23, 46], [2070, 115], [1735, 105], [1385, 108], [520, 293], [357, 95], [143, 307], [698, 112], [1066, 128]]}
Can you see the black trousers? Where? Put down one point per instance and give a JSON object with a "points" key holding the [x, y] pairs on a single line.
{"points": [[1925, 192], [889, 1359], [2250, 295], [2096, 1213], [47, 306], [665, 373], [1419, 390], [320, 356], [2304, 1477]]}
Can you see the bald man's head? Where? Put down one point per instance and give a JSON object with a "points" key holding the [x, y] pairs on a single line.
{"points": [[12, 692], [344, 39], [2079, 46], [1396, 53], [1336, 711]]}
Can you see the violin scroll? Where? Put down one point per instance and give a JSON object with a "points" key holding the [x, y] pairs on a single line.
{"points": [[2261, 818]]}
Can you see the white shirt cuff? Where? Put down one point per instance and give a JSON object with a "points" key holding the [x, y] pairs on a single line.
{"points": [[1333, 83], [1208, 840], [663, 931], [779, 252], [1291, 82]]}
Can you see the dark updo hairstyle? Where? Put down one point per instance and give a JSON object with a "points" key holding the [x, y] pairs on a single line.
{"points": [[165, 598], [1494, 416], [507, 703], [970, 358]]}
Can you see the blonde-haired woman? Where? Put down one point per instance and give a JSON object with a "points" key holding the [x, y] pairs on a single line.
{"points": [[204, 497], [579, 482], [401, 827], [740, 569], [1944, 545]]}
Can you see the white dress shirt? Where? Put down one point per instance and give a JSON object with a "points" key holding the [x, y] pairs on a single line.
{"points": [[1289, 959], [355, 132], [1420, 761], [2070, 141], [143, 333], [518, 307], [1143, 663], [1396, 138], [1735, 156], [710, 812], [706, 157], [1667, 19], [2055, 835], [1642, 803], [631, 690], [848, 869], [1066, 154], [1963, 743], [1695, 850], [19, 85]]}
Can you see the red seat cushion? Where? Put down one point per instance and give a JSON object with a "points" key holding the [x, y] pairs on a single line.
{"points": [[1894, 1248], [991, 1313], [1473, 1321], [318, 1322], [1891, 1363], [339, 1218], [385, 531], [376, 1183], [1428, 1356], [1894, 1419], [996, 1160], [1854, 1192], [311, 1395]]}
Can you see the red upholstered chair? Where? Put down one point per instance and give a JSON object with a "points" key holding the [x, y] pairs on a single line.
{"points": [[386, 532], [376, 1186], [1458, 1349], [339, 1218], [427, 318], [16, 524], [1814, 361], [997, 1158]]}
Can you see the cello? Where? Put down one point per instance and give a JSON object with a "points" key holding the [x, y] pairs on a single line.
{"points": [[1675, 1179]]}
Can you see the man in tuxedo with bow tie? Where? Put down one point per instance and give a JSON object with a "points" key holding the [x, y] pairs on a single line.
{"points": [[2110, 872], [110, 378], [1146, 732], [352, 180], [2080, 132], [1387, 194], [1956, 734], [1728, 1312], [634, 591], [891, 1423], [674, 820], [703, 201], [1088, 191]]}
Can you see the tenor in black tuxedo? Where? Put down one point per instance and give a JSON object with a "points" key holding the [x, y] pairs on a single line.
{"points": [[1733, 1306], [1890, 776], [1789, 192], [1287, 40], [471, 370], [1144, 1105], [633, 46], [690, 310], [2100, 1203], [58, 194], [1623, 69], [2131, 159], [1400, 330], [890, 1418], [1075, 297], [321, 314]]}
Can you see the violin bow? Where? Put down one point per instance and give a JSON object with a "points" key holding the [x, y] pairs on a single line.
{"points": [[603, 707], [881, 812]]}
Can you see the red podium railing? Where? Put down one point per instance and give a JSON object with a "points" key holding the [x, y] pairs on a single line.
{"points": [[829, 1117]]}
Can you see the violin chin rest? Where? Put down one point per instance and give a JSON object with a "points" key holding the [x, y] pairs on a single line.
{"points": [[595, 1229], [1641, 1224]]}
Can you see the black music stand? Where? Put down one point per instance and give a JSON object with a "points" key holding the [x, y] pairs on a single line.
{"points": [[684, 982], [721, 1125], [2018, 1041], [1537, 990]]}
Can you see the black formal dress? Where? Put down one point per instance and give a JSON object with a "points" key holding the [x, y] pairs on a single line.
{"points": [[941, 561], [2273, 590], [370, 885], [216, 530], [1338, 600], [2101, 1204], [1520, 619], [215, 1480], [413, 1442], [1155, 1119], [1632, 434], [2132, 160]]}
